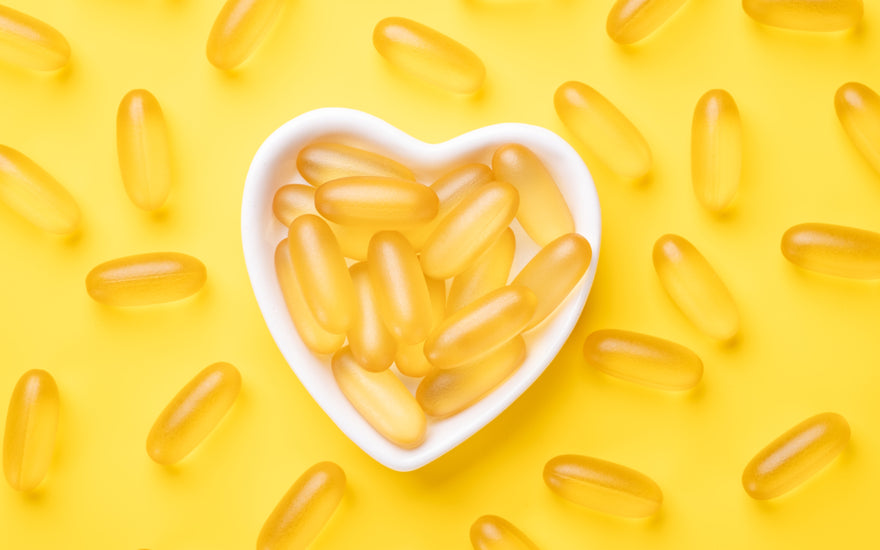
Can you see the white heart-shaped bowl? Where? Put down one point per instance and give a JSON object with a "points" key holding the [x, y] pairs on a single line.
{"points": [[274, 165]]}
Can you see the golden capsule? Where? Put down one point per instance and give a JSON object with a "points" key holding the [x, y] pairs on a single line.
{"points": [[371, 200], [193, 413], [796, 456], [372, 345], [495, 533], [716, 150], [695, 287], [30, 43], [806, 15], [145, 279], [605, 131], [36, 195], [643, 359], [239, 28], [322, 273], [488, 272], [833, 250], [382, 399], [304, 510], [410, 358], [858, 108], [31, 423], [632, 20], [322, 162], [142, 146], [469, 229], [429, 55], [603, 486]]}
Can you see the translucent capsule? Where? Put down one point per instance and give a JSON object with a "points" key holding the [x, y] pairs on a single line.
{"points": [[193, 413], [410, 358], [239, 28], [495, 533], [695, 287], [480, 328], [142, 146], [806, 15], [371, 200], [304, 510], [858, 108], [833, 250], [371, 343], [146, 279], [716, 150], [469, 229], [795, 456], [643, 359], [36, 195], [488, 272], [632, 20], [605, 131], [429, 55], [554, 272], [31, 423], [30, 43], [603, 486], [322, 273], [322, 162], [543, 212], [382, 399]]}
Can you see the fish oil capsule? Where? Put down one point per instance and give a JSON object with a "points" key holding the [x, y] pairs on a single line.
{"points": [[695, 287], [833, 250], [632, 20], [193, 413], [410, 358], [370, 200], [858, 108], [239, 28], [371, 343], [30, 43], [322, 162], [31, 423], [796, 456], [142, 146], [543, 212], [36, 195], [322, 274], [304, 510], [146, 279], [603, 486], [806, 15], [469, 229], [716, 150], [480, 328], [488, 272], [643, 359], [605, 131], [495, 533], [382, 399], [554, 272], [429, 55]]}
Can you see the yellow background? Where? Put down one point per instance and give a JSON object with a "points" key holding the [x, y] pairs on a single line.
{"points": [[809, 343]]}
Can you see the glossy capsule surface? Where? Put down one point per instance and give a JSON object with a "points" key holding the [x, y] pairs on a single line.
{"points": [[35, 194], [833, 250], [371, 200], [372, 344], [632, 20], [605, 131], [496, 533], [796, 456], [488, 272], [858, 109], [410, 358], [142, 147], [806, 15], [31, 423], [429, 55], [239, 28], [716, 150], [603, 486], [321, 162], [31, 43], [304, 510], [146, 279], [695, 287], [193, 413]]}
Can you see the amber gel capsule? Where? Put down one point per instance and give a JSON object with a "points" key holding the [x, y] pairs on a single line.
{"points": [[410, 358], [30, 43], [304, 510], [796, 456], [833, 250], [716, 150], [321, 162], [858, 108], [142, 146], [371, 343], [488, 272], [31, 423], [632, 20], [239, 28], [603, 486], [495, 533], [806, 15], [146, 279], [370, 200]]}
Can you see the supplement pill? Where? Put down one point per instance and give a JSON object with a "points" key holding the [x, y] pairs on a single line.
{"points": [[142, 146], [858, 108], [632, 20], [31, 423], [372, 345], [488, 272], [495, 533], [30, 43], [370, 200], [833, 250], [716, 150], [321, 162], [146, 279], [410, 358], [239, 28], [806, 15]]}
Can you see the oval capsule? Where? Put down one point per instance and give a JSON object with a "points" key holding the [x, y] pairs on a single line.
{"points": [[833, 250], [31, 43], [193, 413], [239, 28], [371, 343], [370, 200], [31, 424], [796, 456], [858, 109], [146, 279], [429, 55], [806, 15], [410, 358], [603, 486], [488, 272], [632, 20], [716, 150], [319, 163], [495, 533], [142, 147]]}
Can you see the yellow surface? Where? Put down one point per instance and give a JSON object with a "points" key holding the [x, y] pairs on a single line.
{"points": [[808, 342]]}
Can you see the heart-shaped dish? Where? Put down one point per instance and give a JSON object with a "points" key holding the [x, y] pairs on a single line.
{"points": [[274, 165]]}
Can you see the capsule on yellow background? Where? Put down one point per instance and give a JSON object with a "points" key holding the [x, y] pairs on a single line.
{"points": [[382, 399], [193, 413], [695, 287], [858, 108], [239, 28], [796, 456], [603, 486], [322, 273], [488, 272], [496, 533], [833, 250], [319, 163], [554, 272], [146, 279], [543, 212], [371, 343], [35, 194], [469, 229], [716, 150], [304, 510], [410, 358], [142, 147], [806, 15], [632, 20], [480, 328], [31, 43], [643, 359], [429, 55], [605, 131], [372, 201], [31, 423]]}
